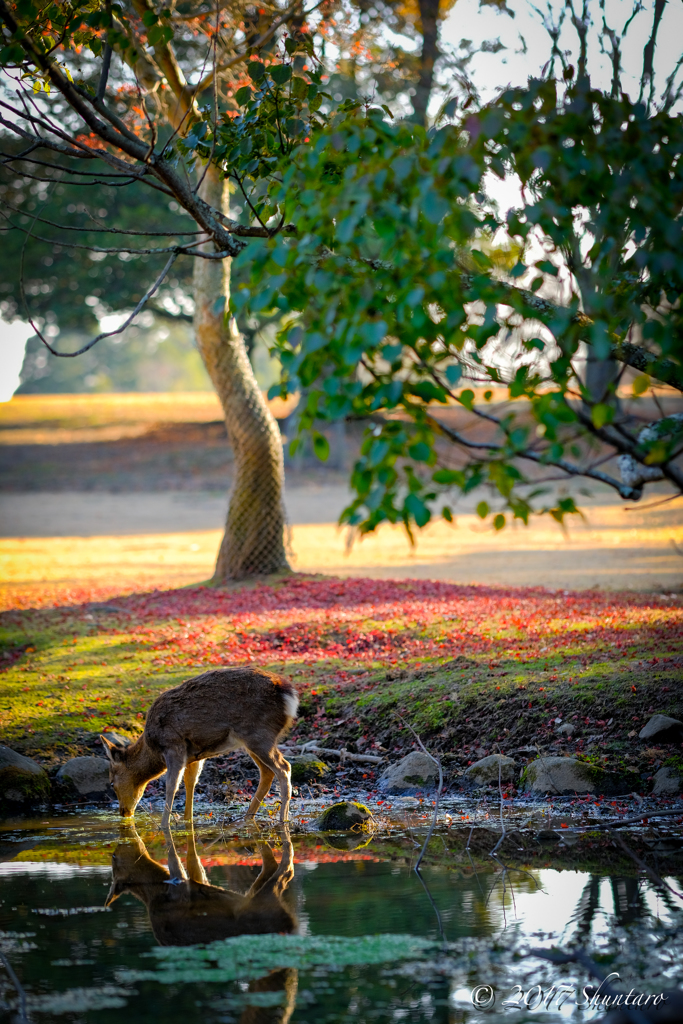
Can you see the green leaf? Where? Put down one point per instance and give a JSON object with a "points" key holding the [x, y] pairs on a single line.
{"points": [[321, 447], [482, 510], [499, 521], [256, 70], [417, 509], [158, 35], [449, 476], [447, 514], [435, 207], [420, 452], [641, 384], [453, 373], [602, 414], [280, 73], [299, 88], [243, 95]]}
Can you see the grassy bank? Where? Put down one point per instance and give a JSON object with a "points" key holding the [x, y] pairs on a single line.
{"points": [[472, 669]]}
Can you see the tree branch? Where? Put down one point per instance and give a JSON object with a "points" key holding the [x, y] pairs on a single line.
{"points": [[106, 334], [664, 370]]}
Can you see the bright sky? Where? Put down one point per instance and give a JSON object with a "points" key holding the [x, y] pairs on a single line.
{"points": [[493, 71], [13, 338]]}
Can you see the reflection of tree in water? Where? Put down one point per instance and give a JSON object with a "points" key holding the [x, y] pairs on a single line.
{"points": [[185, 909], [629, 904]]}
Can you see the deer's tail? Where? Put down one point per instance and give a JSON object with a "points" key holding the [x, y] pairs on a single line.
{"points": [[290, 699]]}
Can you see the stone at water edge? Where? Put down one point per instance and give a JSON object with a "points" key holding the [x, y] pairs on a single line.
{"points": [[569, 775], [667, 782], [307, 768], [559, 775], [23, 783], [487, 771], [414, 773], [662, 728], [89, 776], [343, 817]]}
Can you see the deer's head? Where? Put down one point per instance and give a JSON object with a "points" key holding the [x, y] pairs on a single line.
{"points": [[122, 777]]}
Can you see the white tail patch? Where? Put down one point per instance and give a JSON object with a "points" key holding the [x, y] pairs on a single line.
{"points": [[291, 703]]}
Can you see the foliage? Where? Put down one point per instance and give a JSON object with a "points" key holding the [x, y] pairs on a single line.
{"points": [[408, 297], [403, 284]]}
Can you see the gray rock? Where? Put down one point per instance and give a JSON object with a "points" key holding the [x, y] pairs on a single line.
{"points": [[667, 782], [662, 728], [89, 776], [566, 729], [487, 771], [412, 774], [118, 739], [344, 816], [22, 781], [559, 775]]}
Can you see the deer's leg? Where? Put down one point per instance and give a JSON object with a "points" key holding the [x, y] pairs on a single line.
{"points": [[192, 773], [265, 782], [195, 868], [275, 763], [174, 768], [175, 868]]}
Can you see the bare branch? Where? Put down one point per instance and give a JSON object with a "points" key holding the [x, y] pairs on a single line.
{"points": [[105, 334], [100, 230]]}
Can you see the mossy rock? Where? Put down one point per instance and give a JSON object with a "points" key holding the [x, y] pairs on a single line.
{"points": [[23, 783], [344, 816], [568, 775], [307, 768]]}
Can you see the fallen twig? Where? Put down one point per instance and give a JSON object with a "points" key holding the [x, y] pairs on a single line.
{"points": [[343, 754], [618, 822], [23, 1016], [500, 793], [436, 761]]}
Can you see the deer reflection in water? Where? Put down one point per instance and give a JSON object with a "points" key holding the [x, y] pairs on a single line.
{"points": [[185, 909]]}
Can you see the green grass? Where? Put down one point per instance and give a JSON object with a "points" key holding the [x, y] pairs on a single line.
{"points": [[71, 672]]}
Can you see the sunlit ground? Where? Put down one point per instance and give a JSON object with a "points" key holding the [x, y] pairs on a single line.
{"points": [[611, 549]]}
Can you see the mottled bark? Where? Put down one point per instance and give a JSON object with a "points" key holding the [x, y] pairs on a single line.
{"points": [[253, 543], [429, 20]]}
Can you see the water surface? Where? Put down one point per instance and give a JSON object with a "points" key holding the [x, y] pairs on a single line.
{"points": [[104, 923]]}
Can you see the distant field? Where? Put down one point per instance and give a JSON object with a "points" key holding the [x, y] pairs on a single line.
{"points": [[76, 411], [60, 419]]}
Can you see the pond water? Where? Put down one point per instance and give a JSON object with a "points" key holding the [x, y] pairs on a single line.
{"points": [[103, 922]]}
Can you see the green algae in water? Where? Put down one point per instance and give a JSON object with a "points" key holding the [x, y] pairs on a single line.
{"points": [[249, 957]]}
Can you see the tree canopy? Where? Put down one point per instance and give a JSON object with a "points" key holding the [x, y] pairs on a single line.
{"points": [[407, 297]]}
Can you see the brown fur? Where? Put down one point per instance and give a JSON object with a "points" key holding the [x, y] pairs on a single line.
{"points": [[218, 711], [195, 911]]}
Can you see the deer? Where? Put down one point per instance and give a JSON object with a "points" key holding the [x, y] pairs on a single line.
{"points": [[185, 909], [190, 910], [211, 714]]}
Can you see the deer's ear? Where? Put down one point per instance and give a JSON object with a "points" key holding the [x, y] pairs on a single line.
{"points": [[113, 751]]}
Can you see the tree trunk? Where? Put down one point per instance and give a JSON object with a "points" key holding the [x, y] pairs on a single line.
{"points": [[600, 374], [429, 19], [253, 544]]}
